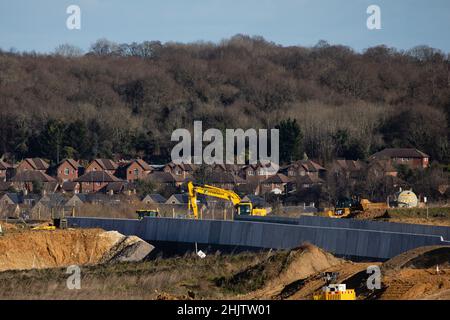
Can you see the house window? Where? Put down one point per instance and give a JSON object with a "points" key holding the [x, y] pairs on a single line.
{"points": [[66, 171], [136, 172], [250, 173]]}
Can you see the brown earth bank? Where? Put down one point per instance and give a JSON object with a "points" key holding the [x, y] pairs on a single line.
{"points": [[28, 249], [422, 273]]}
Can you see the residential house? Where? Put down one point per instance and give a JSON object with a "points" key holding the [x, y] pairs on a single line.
{"points": [[28, 180], [308, 181], [94, 181], [118, 187], [4, 168], [178, 198], [134, 170], [28, 164], [378, 168], [349, 169], [19, 199], [66, 170], [302, 168], [162, 178], [49, 206], [258, 172], [231, 168], [77, 200], [106, 165], [225, 180], [278, 184], [70, 187], [410, 157], [183, 170], [154, 198], [10, 199]]}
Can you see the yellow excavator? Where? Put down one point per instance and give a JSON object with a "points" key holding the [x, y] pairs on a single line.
{"points": [[242, 208]]}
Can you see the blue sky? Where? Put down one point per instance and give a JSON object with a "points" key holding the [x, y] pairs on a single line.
{"points": [[41, 25]]}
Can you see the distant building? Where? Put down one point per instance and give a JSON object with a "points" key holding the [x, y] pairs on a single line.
{"points": [[302, 168], [106, 165], [27, 180], [32, 164], [410, 157], [66, 170], [94, 181], [154, 198], [134, 170], [162, 178], [277, 184], [178, 198]]}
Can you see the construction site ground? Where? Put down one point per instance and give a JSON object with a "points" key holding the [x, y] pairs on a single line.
{"points": [[33, 266]]}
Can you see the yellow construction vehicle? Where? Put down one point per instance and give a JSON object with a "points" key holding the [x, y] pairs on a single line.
{"points": [[242, 208], [333, 291], [44, 227], [347, 207]]}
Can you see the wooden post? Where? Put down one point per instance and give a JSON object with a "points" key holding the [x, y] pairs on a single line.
{"points": [[173, 213], [73, 211], [224, 214]]}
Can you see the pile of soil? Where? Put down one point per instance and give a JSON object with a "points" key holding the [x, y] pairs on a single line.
{"points": [[269, 277], [60, 248]]}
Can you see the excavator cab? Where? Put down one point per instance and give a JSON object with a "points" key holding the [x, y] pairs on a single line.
{"points": [[244, 209]]}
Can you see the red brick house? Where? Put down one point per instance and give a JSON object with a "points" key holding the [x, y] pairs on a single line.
{"points": [[134, 170], [66, 170], [350, 169], [106, 165], [95, 180], [162, 178], [4, 167], [410, 157], [302, 168], [225, 180], [257, 172], [182, 170], [32, 164], [25, 181], [277, 184]]}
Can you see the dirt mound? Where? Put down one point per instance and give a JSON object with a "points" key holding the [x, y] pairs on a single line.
{"points": [[420, 258], [269, 277], [125, 249], [58, 248]]}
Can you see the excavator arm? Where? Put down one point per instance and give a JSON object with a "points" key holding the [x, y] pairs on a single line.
{"points": [[194, 189]]}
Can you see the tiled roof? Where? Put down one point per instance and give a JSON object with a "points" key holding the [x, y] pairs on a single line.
{"points": [[399, 153], [97, 176], [107, 164], [155, 197], [32, 175], [278, 178], [37, 163]]}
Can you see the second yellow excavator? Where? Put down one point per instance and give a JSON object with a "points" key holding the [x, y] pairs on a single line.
{"points": [[242, 208]]}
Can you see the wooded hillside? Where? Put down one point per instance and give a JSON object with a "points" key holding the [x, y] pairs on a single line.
{"points": [[126, 99]]}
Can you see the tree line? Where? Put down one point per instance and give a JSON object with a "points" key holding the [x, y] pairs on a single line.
{"points": [[124, 100]]}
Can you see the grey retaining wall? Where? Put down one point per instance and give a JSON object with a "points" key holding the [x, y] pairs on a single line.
{"points": [[339, 238]]}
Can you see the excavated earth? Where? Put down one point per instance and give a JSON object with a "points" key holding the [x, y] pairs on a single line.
{"points": [[28, 249]]}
